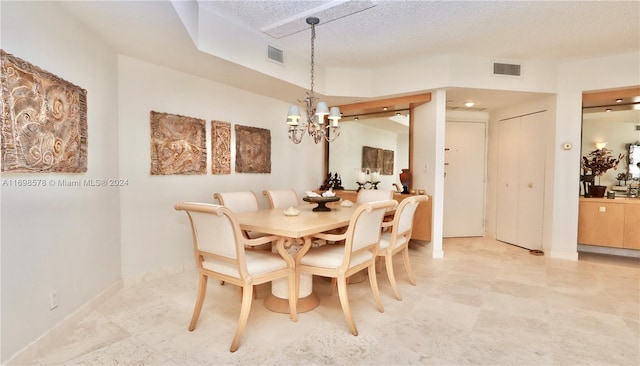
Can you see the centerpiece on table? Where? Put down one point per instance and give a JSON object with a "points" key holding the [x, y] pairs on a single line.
{"points": [[595, 164]]}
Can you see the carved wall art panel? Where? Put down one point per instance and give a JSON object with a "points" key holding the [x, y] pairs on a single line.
{"points": [[44, 120], [253, 150], [178, 144], [371, 158], [376, 159], [387, 162], [220, 147]]}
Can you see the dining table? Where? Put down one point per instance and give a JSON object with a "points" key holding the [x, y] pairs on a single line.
{"points": [[295, 232]]}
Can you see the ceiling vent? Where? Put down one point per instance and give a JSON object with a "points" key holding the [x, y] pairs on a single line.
{"points": [[506, 69], [638, 128], [275, 54]]}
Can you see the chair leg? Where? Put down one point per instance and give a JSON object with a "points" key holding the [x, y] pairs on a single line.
{"points": [[247, 296], [202, 290], [334, 283], [407, 264], [255, 292], [344, 302], [388, 261], [373, 281]]}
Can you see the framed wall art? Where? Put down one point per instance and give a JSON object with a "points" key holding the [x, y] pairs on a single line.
{"points": [[376, 159], [178, 144], [220, 147], [253, 150], [44, 120]]}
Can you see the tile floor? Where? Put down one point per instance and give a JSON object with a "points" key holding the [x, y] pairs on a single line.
{"points": [[485, 303]]}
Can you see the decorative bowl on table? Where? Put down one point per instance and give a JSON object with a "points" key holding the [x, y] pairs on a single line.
{"points": [[321, 201]]}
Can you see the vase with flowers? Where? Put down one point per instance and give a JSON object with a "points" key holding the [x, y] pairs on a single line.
{"points": [[595, 164]]}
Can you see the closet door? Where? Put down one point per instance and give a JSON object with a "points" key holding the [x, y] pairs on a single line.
{"points": [[531, 181], [508, 172], [520, 196]]}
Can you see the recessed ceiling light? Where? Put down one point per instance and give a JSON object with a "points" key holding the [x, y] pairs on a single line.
{"points": [[619, 100], [469, 104], [384, 108], [355, 119], [608, 110]]}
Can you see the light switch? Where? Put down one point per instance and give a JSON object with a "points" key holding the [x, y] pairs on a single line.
{"points": [[602, 209]]}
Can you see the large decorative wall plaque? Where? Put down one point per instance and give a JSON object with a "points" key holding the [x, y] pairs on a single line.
{"points": [[220, 147], [44, 120], [178, 144], [253, 150]]}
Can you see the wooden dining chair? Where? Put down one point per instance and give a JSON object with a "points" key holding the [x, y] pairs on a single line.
{"points": [[372, 195], [361, 242], [219, 249], [238, 202], [283, 198], [397, 240]]}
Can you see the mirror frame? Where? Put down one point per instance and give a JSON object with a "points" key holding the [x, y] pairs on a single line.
{"points": [[377, 106]]}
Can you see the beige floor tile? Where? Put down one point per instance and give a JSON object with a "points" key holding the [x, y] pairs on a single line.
{"points": [[484, 303]]}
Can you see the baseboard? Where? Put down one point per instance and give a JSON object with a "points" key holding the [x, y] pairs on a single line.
{"points": [[569, 256], [607, 250], [34, 350]]}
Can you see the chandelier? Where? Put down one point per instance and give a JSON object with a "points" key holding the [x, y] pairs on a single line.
{"points": [[314, 125]]}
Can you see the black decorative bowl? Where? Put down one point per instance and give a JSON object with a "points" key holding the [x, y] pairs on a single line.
{"points": [[321, 201]]}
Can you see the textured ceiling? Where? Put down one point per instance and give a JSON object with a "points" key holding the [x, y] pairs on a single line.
{"points": [[389, 33], [392, 31]]}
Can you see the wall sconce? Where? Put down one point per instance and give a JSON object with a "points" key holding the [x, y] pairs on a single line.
{"points": [[600, 145]]}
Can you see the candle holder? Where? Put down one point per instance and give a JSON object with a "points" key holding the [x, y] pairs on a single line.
{"points": [[367, 180]]}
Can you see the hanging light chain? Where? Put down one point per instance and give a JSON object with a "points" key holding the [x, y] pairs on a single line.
{"points": [[313, 38]]}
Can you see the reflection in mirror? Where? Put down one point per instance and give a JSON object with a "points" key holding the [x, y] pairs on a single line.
{"points": [[612, 118], [380, 143], [634, 161]]}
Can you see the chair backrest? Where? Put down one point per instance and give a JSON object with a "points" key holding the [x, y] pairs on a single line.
{"points": [[238, 202], [403, 218], [283, 198], [363, 232], [217, 240], [373, 195]]}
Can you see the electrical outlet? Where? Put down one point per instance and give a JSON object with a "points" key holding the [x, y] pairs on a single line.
{"points": [[53, 299]]}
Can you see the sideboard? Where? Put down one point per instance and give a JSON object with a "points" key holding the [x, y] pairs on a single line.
{"points": [[609, 222], [421, 221]]}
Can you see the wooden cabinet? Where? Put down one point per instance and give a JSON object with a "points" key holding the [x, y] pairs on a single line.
{"points": [[631, 239], [610, 223], [421, 220]]}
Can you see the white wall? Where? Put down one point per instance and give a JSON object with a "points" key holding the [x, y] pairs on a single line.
{"points": [[155, 236], [53, 237], [574, 78]]}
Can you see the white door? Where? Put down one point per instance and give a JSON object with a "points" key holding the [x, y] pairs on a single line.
{"points": [[520, 189], [531, 184], [507, 187], [464, 181]]}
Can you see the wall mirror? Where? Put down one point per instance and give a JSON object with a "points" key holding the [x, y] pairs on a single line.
{"points": [[612, 118], [378, 131]]}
